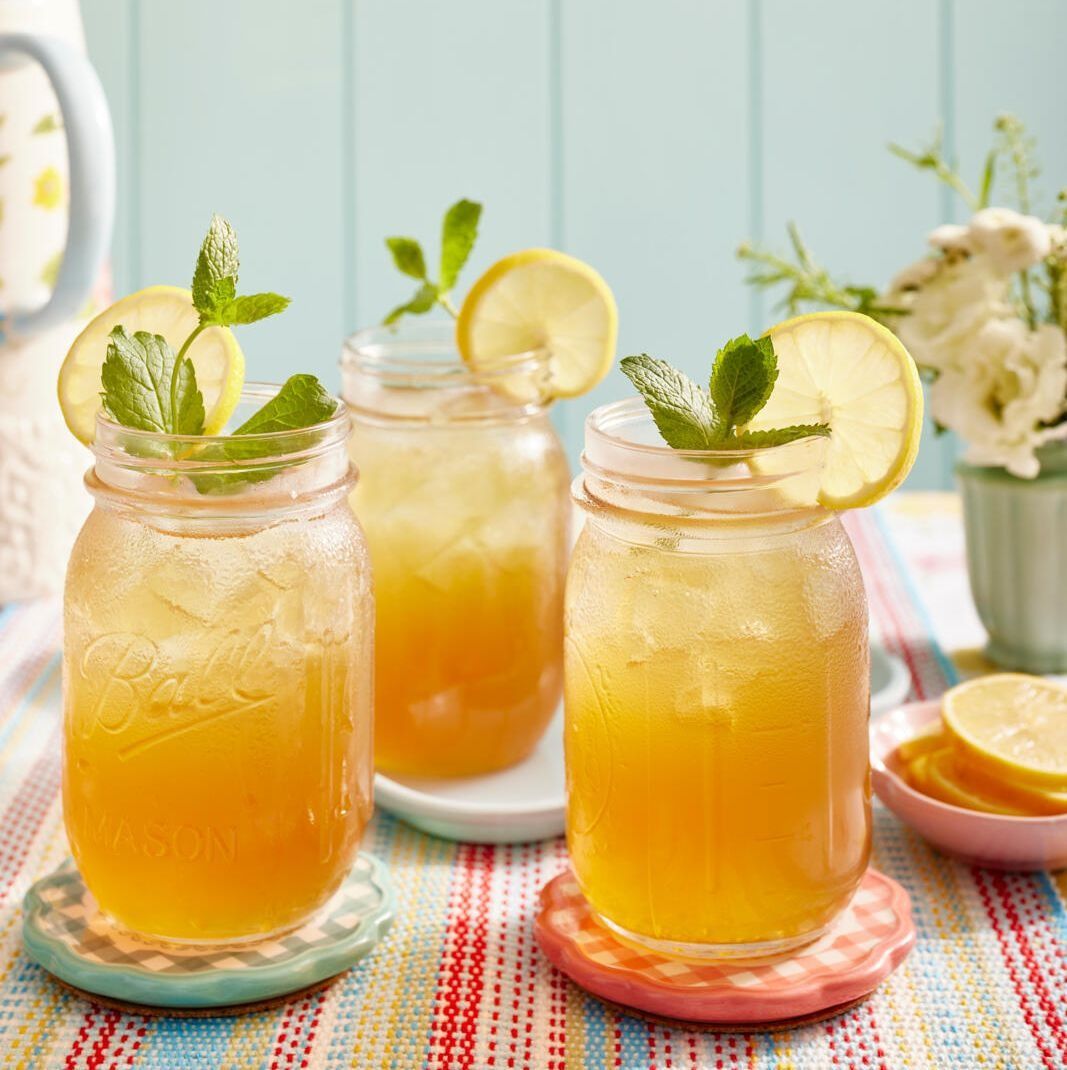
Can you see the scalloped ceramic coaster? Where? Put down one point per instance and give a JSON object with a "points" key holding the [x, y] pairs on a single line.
{"points": [[865, 945], [64, 933]]}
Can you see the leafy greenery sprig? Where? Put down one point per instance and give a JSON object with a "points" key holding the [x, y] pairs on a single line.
{"points": [[149, 387], [810, 284], [459, 231], [689, 417]]}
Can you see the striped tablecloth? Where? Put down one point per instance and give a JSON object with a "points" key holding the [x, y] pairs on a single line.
{"points": [[459, 983]]}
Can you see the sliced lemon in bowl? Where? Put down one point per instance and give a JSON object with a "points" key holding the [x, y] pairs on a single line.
{"points": [[542, 300], [846, 370], [944, 782], [163, 310], [1012, 727]]}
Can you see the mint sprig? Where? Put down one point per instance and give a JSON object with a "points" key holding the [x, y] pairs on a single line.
{"points": [[301, 402], [149, 387], [691, 418], [459, 231]]}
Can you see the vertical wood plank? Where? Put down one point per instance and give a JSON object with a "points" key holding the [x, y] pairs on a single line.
{"points": [[451, 100], [242, 115], [111, 37], [1009, 58], [840, 81], [655, 172]]}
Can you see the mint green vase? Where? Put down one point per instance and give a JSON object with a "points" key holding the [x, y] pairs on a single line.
{"points": [[1016, 533]]}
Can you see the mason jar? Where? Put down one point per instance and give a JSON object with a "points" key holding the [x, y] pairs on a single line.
{"points": [[463, 494], [717, 694], [218, 670]]}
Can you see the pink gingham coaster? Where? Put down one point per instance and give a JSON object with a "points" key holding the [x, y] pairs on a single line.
{"points": [[865, 945]]}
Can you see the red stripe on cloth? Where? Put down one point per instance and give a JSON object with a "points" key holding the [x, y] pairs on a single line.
{"points": [[1048, 1057], [453, 1028], [23, 818], [33, 645], [893, 607], [884, 609], [557, 985], [93, 1043], [296, 1033], [1020, 930]]}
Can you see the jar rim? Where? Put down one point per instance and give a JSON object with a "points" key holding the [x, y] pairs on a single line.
{"points": [[609, 448], [425, 354], [111, 444]]}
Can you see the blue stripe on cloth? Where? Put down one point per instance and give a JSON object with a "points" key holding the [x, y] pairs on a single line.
{"points": [[46, 675], [944, 662], [596, 1034]]}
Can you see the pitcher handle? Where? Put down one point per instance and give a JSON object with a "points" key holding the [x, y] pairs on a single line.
{"points": [[91, 154]]}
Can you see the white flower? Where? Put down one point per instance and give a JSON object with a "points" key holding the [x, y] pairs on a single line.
{"points": [[1012, 241], [998, 401], [952, 238], [947, 310]]}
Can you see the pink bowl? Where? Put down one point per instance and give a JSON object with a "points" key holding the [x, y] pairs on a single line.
{"points": [[991, 840]]}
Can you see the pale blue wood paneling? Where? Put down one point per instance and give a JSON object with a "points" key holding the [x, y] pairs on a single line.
{"points": [[842, 79], [241, 113], [110, 33], [449, 101], [654, 172], [648, 139], [1010, 58]]}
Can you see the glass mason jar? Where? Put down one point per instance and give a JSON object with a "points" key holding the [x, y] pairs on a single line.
{"points": [[463, 494], [717, 695], [217, 669]]}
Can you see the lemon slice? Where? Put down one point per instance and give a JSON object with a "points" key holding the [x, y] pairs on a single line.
{"points": [[541, 299], [929, 739], [942, 781], [1012, 727], [165, 310], [846, 370]]}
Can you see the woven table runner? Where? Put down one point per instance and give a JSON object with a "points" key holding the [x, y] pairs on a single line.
{"points": [[459, 983]]}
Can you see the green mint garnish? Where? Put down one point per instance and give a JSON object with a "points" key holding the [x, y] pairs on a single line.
{"points": [[215, 283], [691, 418], [147, 387], [682, 410], [302, 402], [459, 230]]}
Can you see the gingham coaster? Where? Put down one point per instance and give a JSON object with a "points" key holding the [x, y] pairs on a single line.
{"points": [[866, 943], [65, 934]]}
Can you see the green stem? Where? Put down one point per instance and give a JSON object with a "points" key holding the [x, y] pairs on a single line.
{"points": [[178, 363], [446, 303], [1028, 298]]}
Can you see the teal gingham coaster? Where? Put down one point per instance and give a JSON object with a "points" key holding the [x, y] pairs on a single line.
{"points": [[63, 932]]}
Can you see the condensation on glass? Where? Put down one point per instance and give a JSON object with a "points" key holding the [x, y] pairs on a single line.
{"points": [[218, 673], [716, 696], [464, 497]]}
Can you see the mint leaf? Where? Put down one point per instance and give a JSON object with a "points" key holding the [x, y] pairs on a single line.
{"points": [[215, 276], [681, 409], [781, 436], [407, 255], [137, 378], [742, 378], [301, 402], [248, 309], [459, 231], [423, 301]]}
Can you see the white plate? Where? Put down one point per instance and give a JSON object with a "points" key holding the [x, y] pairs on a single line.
{"points": [[890, 681], [527, 801], [516, 805]]}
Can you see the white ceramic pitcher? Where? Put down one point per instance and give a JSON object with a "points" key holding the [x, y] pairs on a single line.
{"points": [[57, 198]]}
